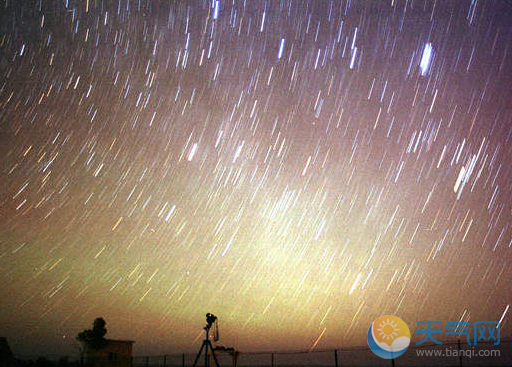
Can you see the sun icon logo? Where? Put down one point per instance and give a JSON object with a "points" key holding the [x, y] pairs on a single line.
{"points": [[389, 336], [388, 329]]}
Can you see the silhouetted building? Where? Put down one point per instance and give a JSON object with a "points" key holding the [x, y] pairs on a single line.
{"points": [[117, 353]]}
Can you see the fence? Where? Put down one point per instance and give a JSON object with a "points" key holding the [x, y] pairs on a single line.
{"points": [[448, 354], [454, 353]]}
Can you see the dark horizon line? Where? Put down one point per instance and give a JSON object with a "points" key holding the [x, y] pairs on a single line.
{"points": [[301, 351]]}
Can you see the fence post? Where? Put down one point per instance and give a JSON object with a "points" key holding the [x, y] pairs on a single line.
{"points": [[272, 359], [460, 355], [335, 357]]}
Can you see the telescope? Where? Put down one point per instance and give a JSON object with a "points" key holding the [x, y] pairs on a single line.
{"points": [[211, 320]]}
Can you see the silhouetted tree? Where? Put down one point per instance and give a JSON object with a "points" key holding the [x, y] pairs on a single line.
{"points": [[94, 338]]}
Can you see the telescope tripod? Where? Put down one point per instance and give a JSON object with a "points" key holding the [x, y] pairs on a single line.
{"points": [[206, 344]]}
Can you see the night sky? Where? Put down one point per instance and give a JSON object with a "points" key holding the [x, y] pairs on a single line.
{"points": [[298, 168]]}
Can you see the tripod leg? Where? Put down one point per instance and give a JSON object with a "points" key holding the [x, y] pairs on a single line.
{"points": [[206, 361], [213, 354], [198, 355]]}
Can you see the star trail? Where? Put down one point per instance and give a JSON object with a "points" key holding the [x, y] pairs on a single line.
{"points": [[297, 168]]}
